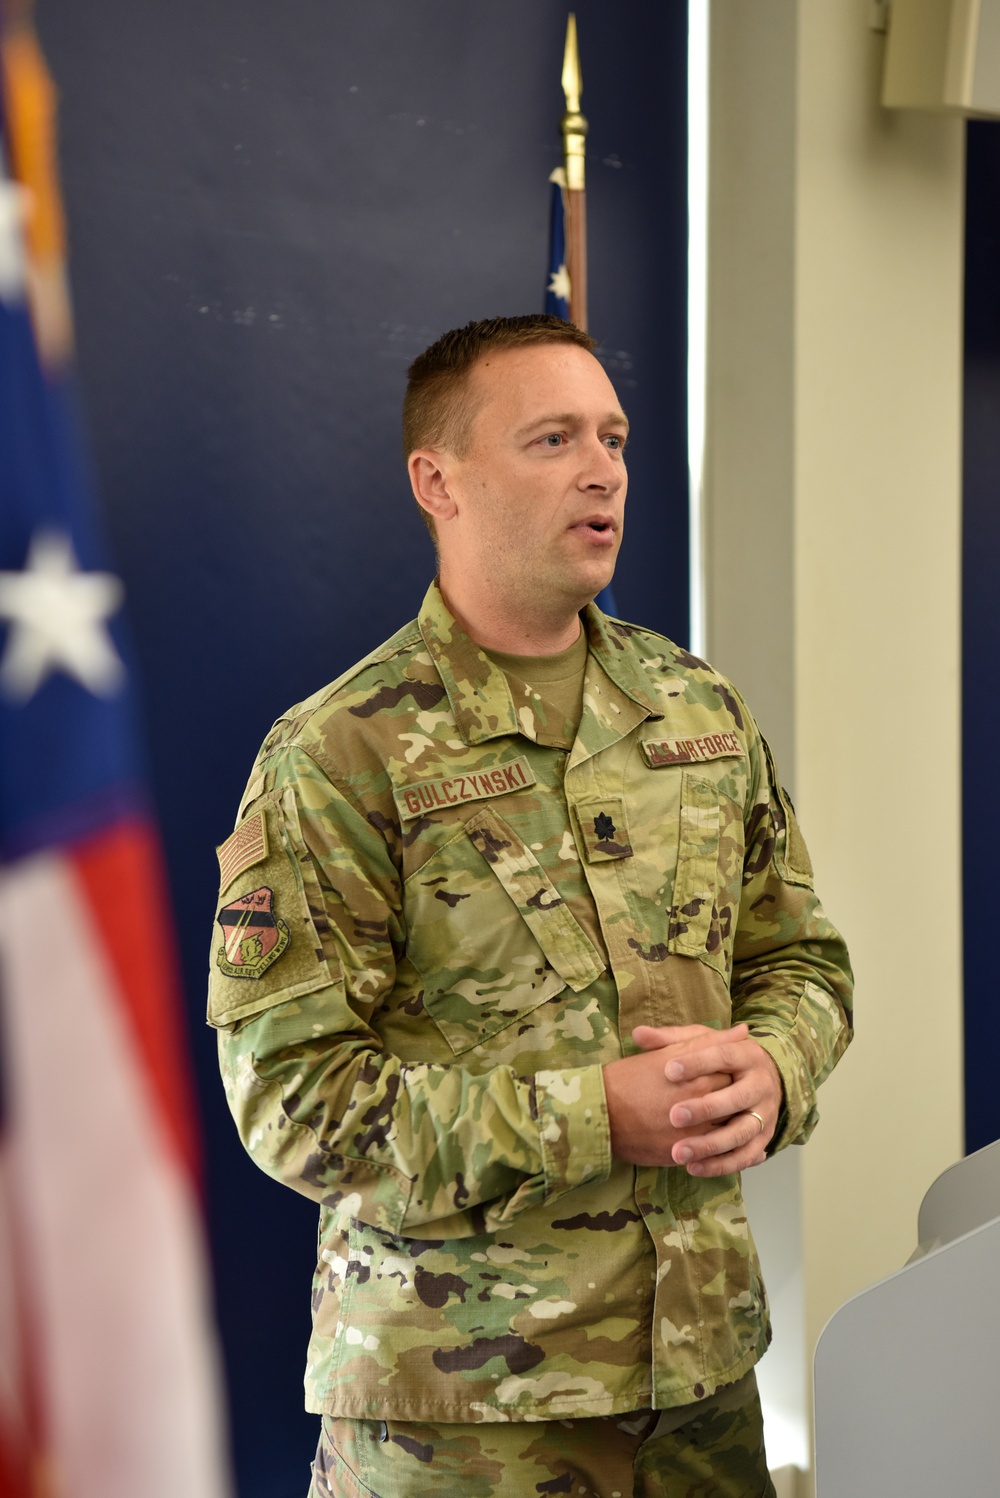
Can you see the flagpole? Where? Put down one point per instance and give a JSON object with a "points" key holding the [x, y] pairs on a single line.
{"points": [[574, 131]]}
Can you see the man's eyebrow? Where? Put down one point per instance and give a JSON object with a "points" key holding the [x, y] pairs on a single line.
{"points": [[571, 418]]}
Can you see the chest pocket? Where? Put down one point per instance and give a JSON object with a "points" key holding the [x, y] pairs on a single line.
{"points": [[490, 935]]}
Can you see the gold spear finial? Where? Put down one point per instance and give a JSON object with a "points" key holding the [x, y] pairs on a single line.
{"points": [[574, 126], [572, 80]]}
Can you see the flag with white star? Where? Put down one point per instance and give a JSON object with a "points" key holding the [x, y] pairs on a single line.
{"points": [[109, 1384], [557, 288]]}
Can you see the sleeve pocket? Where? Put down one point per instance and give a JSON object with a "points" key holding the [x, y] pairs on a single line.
{"points": [[697, 876], [791, 856]]}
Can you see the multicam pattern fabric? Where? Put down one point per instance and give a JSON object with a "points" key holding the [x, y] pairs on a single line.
{"points": [[714, 1447], [424, 1058]]}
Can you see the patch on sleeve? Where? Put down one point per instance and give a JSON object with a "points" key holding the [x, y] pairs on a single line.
{"points": [[690, 751], [269, 911], [253, 935], [245, 847]]}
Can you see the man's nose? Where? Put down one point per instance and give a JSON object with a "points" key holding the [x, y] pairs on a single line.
{"points": [[604, 469]]}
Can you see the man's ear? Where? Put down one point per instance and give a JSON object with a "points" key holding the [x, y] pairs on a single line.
{"points": [[430, 478]]}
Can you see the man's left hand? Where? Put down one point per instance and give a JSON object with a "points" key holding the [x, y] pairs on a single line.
{"points": [[756, 1089]]}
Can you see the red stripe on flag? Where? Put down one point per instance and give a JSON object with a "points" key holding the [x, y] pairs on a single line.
{"points": [[23, 1434], [15, 1481], [121, 871]]}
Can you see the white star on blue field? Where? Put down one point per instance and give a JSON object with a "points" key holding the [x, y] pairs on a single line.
{"points": [[58, 622]]}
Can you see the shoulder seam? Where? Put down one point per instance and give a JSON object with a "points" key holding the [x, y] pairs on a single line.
{"points": [[331, 776]]}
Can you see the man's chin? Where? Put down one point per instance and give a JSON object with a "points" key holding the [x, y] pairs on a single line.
{"points": [[597, 584], [575, 587]]}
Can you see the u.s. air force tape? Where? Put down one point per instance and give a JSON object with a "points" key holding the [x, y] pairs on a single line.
{"points": [[690, 751], [425, 796]]}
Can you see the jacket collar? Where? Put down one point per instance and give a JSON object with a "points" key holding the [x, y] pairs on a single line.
{"points": [[478, 692]]}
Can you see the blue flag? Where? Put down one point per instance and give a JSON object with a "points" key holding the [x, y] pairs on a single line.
{"points": [[557, 290]]}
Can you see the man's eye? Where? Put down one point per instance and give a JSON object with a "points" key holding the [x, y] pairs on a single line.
{"points": [[616, 444], [552, 439]]}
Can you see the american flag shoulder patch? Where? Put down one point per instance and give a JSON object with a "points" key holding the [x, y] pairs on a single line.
{"points": [[245, 847]]}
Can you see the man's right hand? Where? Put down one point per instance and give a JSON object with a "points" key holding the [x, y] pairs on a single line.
{"points": [[640, 1098]]}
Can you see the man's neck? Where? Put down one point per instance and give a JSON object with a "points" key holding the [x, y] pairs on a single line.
{"points": [[513, 632]]}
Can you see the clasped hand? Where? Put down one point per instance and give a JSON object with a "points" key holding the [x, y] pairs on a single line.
{"points": [[689, 1098]]}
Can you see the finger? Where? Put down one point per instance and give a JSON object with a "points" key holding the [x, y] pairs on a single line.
{"points": [[725, 1165], [713, 1081], [731, 1055], [724, 1102], [740, 1137], [656, 1037]]}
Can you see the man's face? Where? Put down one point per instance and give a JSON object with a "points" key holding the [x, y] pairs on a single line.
{"points": [[541, 488]]}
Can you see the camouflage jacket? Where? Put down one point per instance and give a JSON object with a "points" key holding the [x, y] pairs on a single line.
{"points": [[439, 918]]}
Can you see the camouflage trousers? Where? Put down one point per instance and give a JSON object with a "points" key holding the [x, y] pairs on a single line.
{"points": [[712, 1449]]}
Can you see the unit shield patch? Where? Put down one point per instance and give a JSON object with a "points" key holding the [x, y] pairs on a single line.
{"points": [[253, 936]]}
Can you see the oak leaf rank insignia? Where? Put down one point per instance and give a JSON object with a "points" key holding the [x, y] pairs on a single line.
{"points": [[254, 937], [603, 828]]}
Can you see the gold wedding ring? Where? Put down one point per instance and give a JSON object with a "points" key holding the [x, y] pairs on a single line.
{"points": [[757, 1117]]}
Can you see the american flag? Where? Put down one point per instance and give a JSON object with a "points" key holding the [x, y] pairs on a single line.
{"points": [[109, 1383]]}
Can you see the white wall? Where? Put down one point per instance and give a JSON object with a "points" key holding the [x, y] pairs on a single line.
{"points": [[832, 493]]}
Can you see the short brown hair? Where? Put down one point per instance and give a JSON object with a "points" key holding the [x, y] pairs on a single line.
{"points": [[436, 408]]}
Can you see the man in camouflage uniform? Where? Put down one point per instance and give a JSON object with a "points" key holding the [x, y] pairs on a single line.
{"points": [[518, 963]]}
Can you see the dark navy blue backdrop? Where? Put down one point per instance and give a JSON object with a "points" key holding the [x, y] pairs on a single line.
{"points": [[981, 630], [272, 209]]}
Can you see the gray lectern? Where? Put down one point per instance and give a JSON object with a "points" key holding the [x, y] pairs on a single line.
{"points": [[908, 1372]]}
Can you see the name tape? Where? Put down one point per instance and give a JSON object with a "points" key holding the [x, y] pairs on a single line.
{"points": [[691, 751], [434, 795]]}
